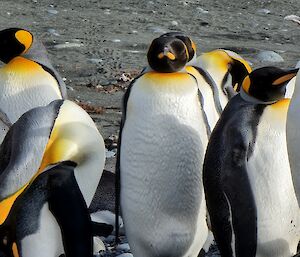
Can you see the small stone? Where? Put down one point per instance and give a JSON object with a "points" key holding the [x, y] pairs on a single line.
{"points": [[116, 40], [293, 18], [264, 11], [123, 247], [53, 32], [174, 23], [201, 10], [269, 56], [67, 45], [125, 255], [54, 12], [98, 245], [70, 88]]}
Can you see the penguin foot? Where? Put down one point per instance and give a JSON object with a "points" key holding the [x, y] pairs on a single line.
{"points": [[101, 229]]}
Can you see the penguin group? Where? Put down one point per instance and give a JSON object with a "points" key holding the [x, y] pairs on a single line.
{"points": [[206, 147]]}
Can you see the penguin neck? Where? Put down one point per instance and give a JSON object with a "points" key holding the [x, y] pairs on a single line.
{"points": [[149, 69], [248, 98]]}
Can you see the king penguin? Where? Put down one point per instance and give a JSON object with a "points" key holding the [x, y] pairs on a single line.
{"points": [[160, 155], [246, 174], [51, 161], [27, 78], [227, 68], [293, 138]]}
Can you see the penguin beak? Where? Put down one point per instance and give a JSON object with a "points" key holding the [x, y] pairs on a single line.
{"points": [[166, 53], [285, 78]]}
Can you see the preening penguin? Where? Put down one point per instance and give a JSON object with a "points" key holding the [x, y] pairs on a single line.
{"points": [[227, 68], [247, 179], [160, 155], [51, 161], [27, 79]]}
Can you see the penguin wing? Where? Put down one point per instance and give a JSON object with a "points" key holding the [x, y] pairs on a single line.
{"points": [[23, 147], [227, 188], [210, 81]]}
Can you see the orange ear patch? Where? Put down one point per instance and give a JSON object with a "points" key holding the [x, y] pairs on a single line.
{"points": [[283, 79], [246, 84], [15, 250], [25, 38]]}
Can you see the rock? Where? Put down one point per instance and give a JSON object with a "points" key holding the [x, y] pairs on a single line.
{"points": [[98, 245], [269, 56], [123, 247], [67, 45], [125, 255], [53, 32], [174, 23], [293, 18], [51, 11], [264, 11]]}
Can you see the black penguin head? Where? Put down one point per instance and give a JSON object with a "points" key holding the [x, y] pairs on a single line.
{"points": [[238, 68], [268, 84], [190, 45], [14, 42]]}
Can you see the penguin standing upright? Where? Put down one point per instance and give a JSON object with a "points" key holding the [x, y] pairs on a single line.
{"points": [[161, 146], [51, 161], [293, 136], [246, 174], [27, 79]]}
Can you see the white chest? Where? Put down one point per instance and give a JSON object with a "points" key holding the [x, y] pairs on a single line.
{"points": [[25, 85], [278, 223], [162, 149]]}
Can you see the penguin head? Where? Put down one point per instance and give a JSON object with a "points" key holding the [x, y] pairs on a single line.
{"points": [[170, 52], [268, 84], [190, 45], [227, 62], [239, 68], [14, 42]]}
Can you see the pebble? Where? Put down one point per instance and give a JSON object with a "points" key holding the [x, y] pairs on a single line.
{"points": [[67, 45], [54, 12], [264, 11], [53, 32], [293, 18], [174, 23], [123, 247], [201, 10], [116, 40], [125, 255], [109, 154], [158, 30], [269, 56], [95, 60], [98, 245]]}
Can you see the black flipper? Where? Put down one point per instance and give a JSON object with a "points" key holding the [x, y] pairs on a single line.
{"points": [[69, 208], [226, 183]]}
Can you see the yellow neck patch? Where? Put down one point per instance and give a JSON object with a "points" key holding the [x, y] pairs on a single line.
{"points": [[246, 84], [25, 38]]}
